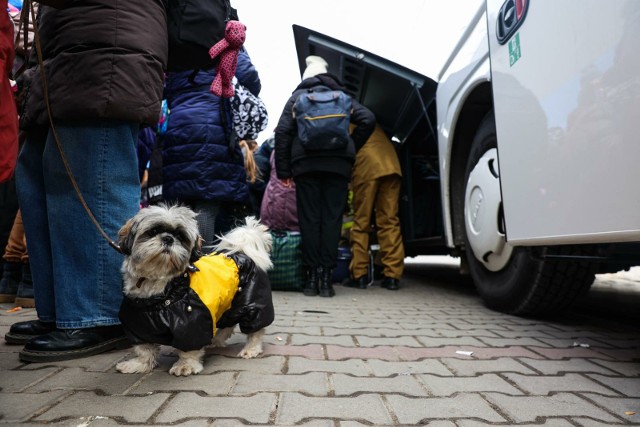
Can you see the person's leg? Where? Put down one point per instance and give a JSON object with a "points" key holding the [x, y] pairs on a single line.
{"points": [[30, 181], [309, 204], [24, 258], [31, 194], [308, 208], [86, 270], [208, 216], [364, 195], [388, 227], [11, 275], [24, 292], [8, 209], [12, 269], [332, 200], [16, 246]]}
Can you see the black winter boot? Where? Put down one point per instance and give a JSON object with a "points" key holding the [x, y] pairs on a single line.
{"points": [[310, 287], [24, 295], [11, 274], [326, 282]]}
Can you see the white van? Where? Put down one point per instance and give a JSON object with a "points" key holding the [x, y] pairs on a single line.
{"points": [[523, 159]]}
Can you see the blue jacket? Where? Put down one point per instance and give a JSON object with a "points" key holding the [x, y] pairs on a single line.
{"points": [[145, 144], [198, 161]]}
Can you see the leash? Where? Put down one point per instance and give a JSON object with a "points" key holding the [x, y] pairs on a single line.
{"points": [[43, 76]]}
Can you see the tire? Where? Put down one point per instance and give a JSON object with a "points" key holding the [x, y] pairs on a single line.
{"points": [[514, 280]]}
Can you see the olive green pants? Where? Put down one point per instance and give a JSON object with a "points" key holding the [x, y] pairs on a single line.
{"points": [[381, 195]]}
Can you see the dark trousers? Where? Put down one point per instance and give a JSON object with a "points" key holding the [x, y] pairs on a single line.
{"points": [[8, 210], [321, 201]]}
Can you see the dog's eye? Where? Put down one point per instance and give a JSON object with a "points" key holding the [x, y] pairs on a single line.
{"points": [[182, 236], [154, 231]]}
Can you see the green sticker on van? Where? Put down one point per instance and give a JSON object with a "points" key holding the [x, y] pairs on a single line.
{"points": [[514, 50]]}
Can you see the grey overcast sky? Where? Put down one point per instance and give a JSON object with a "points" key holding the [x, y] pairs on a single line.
{"points": [[418, 34]]}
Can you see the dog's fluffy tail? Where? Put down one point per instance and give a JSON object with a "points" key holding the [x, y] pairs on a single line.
{"points": [[252, 239]]}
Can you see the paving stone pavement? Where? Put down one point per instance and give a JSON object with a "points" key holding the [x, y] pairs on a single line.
{"points": [[367, 357]]}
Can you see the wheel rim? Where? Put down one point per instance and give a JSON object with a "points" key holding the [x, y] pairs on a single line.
{"points": [[483, 214]]}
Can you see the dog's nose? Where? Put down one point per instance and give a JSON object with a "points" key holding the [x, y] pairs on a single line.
{"points": [[167, 240]]}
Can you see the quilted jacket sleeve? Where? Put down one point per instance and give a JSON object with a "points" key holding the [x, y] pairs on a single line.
{"points": [[284, 134], [247, 74]]}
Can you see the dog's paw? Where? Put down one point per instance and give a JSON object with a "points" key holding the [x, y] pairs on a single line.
{"points": [[134, 366], [186, 367], [250, 352]]}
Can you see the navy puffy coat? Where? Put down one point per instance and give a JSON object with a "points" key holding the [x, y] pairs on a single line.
{"points": [[198, 163]]}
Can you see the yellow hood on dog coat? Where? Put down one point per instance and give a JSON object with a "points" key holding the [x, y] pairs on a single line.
{"points": [[216, 283]]}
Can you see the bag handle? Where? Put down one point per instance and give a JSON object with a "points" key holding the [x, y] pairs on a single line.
{"points": [[23, 25]]}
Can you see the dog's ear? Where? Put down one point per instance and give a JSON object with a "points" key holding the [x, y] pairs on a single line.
{"points": [[196, 252], [126, 236]]}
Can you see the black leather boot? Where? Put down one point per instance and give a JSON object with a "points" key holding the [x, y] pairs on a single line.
{"points": [[310, 287], [11, 274], [24, 295], [21, 332], [359, 283], [391, 283], [326, 282]]}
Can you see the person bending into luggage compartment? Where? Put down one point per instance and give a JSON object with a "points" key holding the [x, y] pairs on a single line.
{"points": [[376, 184], [321, 178]]}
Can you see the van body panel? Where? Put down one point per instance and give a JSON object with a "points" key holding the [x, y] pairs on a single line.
{"points": [[566, 89], [467, 67], [448, 117]]}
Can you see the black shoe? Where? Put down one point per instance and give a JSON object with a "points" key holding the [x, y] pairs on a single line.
{"points": [[21, 332], [391, 283], [360, 283], [67, 344]]}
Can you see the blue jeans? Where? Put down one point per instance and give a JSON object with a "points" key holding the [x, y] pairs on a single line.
{"points": [[76, 274]]}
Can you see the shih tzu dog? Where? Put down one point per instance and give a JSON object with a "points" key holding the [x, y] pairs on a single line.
{"points": [[173, 296]]}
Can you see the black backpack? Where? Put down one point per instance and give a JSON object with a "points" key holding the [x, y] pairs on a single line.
{"points": [[194, 26], [322, 116]]}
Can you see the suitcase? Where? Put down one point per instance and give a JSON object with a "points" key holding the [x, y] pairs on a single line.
{"points": [[341, 272], [286, 255]]}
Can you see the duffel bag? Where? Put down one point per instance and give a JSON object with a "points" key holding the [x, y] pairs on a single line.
{"points": [[286, 274]]}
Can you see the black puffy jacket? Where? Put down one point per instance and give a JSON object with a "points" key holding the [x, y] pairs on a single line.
{"points": [[292, 159], [180, 319], [103, 59]]}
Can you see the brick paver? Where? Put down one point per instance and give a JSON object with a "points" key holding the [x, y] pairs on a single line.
{"points": [[445, 386], [122, 408], [363, 358], [529, 408], [412, 411]]}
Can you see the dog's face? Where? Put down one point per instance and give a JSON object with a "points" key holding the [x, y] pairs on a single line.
{"points": [[159, 241]]}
